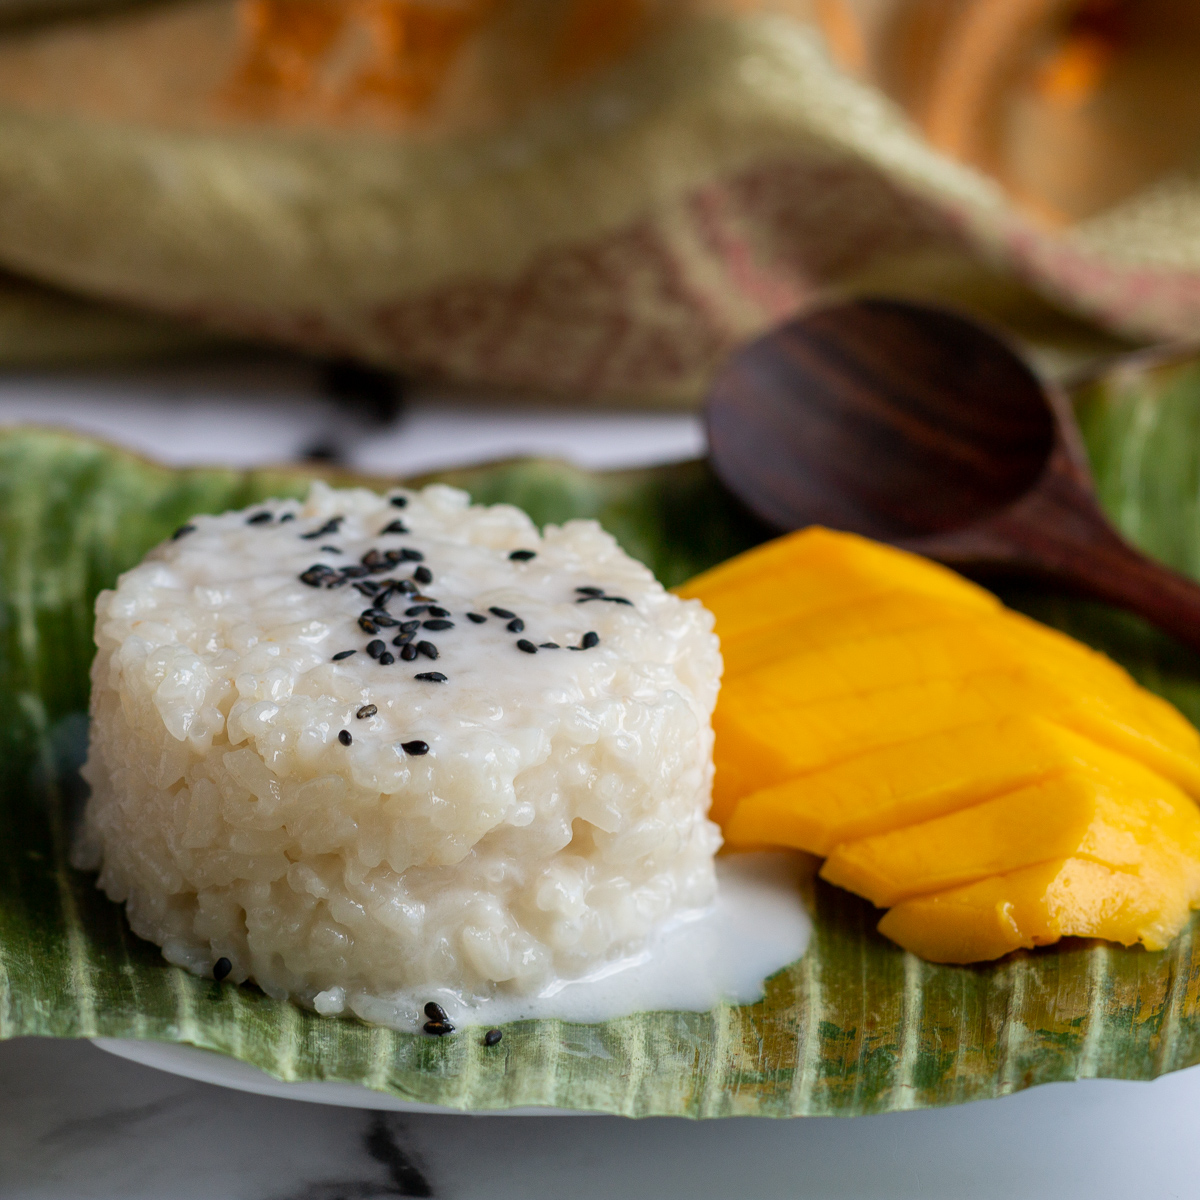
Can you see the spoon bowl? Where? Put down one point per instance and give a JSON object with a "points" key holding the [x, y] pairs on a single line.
{"points": [[921, 428]]}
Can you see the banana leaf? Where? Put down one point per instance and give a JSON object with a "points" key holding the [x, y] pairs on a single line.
{"points": [[856, 1026]]}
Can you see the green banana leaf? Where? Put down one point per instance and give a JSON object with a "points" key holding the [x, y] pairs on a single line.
{"points": [[857, 1026]]}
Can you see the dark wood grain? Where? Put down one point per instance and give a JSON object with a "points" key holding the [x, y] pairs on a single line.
{"points": [[918, 427]]}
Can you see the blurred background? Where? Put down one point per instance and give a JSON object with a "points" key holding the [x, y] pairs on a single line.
{"points": [[360, 229]]}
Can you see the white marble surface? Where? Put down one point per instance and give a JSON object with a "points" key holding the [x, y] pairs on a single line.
{"points": [[77, 1124]]}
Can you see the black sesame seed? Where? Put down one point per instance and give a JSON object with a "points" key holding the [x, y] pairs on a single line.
{"points": [[478, 618], [435, 1012], [516, 625], [367, 710], [522, 555], [395, 527], [221, 968], [355, 572], [419, 599], [399, 501], [330, 526], [590, 591], [502, 613], [435, 611], [610, 599], [367, 625], [259, 518], [287, 517], [406, 585], [383, 620], [549, 645], [182, 531], [589, 640], [408, 653], [367, 587], [431, 677], [423, 575], [438, 1028], [386, 658], [439, 624], [526, 645], [375, 648], [343, 654], [345, 738], [372, 558], [415, 610], [410, 555], [417, 748], [409, 626], [492, 1037], [331, 549], [428, 649], [316, 575]]}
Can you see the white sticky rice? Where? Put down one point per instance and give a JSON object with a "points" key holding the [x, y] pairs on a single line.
{"points": [[555, 822]]}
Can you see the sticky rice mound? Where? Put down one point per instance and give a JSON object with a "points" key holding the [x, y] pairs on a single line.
{"points": [[504, 785]]}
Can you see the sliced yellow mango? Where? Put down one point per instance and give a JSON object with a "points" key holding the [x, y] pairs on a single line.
{"points": [[870, 616], [761, 742], [1054, 647], [1116, 817], [898, 785], [1036, 906], [816, 569], [997, 782], [949, 649], [1098, 702]]}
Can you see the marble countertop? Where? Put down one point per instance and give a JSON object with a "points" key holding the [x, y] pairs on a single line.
{"points": [[77, 1123]]}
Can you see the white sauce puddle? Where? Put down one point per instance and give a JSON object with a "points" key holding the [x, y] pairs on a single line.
{"points": [[757, 926]]}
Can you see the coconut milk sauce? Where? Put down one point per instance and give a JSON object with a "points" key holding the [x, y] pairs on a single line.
{"points": [[757, 926]]}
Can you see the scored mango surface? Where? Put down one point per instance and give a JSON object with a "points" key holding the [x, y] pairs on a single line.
{"points": [[991, 781]]}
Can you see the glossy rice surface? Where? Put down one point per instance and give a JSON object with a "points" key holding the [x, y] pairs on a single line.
{"points": [[242, 808]]}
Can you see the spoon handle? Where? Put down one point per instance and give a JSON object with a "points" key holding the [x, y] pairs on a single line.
{"points": [[1057, 532], [1120, 575]]}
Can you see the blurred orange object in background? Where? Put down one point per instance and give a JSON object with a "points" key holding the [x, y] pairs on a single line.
{"points": [[598, 199], [1072, 104]]}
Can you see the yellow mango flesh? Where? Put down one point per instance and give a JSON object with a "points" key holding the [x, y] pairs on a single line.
{"points": [[960, 650], [900, 784], [763, 741], [817, 569], [881, 711], [1036, 906], [1074, 813]]}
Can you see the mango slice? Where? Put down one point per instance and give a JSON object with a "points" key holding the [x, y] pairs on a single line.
{"points": [[994, 781], [817, 569], [762, 740], [905, 783], [1074, 813], [1036, 906]]}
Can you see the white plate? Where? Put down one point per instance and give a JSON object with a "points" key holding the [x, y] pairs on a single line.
{"points": [[208, 1067], [757, 925]]}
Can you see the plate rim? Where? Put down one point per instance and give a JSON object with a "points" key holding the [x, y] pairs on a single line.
{"points": [[203, 1065]]}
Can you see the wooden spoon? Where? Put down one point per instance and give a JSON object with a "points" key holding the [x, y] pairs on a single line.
{"points": [[920, 428]]}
